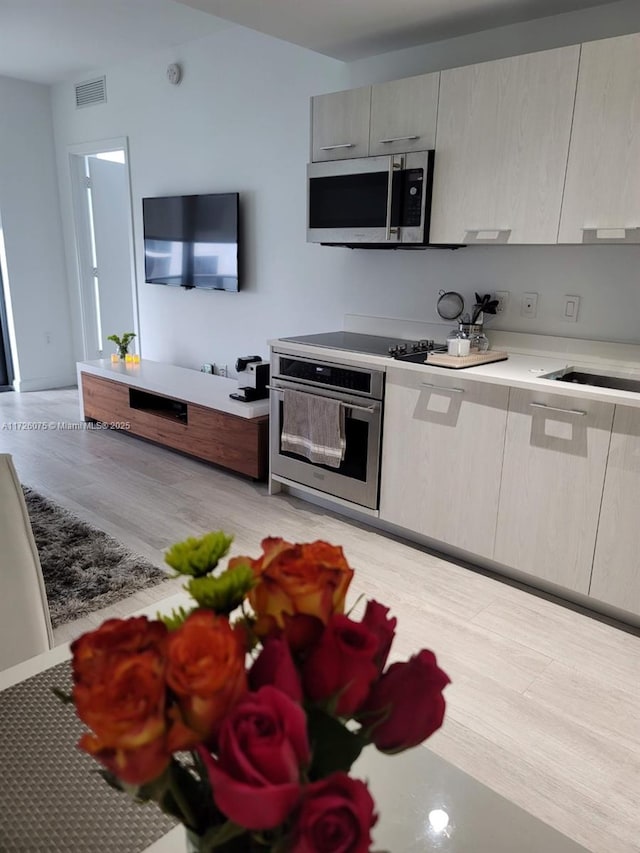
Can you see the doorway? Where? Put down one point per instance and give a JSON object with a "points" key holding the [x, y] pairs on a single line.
{"points": [[6, 368], [101, 198], [6, 364]]}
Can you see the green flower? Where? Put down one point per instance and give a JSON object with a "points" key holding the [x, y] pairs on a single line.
{"points": [[198, 557], [225, 592], [174, 619]]}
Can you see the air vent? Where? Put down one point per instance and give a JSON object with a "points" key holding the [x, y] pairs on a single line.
{"points": [[91, 92]]}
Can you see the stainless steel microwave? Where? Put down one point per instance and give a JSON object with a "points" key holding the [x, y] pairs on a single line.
{"points": [[374, 201]]}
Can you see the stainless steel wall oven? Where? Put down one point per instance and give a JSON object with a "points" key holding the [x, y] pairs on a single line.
{"points": [[360, 392]]}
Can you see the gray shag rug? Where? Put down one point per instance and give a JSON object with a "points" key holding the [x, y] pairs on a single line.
{"points": [[84, 569]]}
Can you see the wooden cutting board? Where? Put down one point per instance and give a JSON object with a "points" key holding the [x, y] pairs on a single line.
{"points": [[460, 361]]}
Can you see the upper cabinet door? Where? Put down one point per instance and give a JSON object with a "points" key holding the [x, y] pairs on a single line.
{"points": [[340, 124], [602, 195], [502, 147], [403, 115]]}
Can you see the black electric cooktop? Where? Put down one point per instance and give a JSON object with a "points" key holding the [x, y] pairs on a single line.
{"points": [[369, 344]]}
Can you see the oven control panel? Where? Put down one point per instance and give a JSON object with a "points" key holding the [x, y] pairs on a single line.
{"points": [[324, 373]]}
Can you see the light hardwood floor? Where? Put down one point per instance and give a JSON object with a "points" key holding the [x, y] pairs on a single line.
{"points": [[544, 705]]}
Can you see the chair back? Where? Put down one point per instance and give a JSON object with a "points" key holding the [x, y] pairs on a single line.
{"points": [[25, 625]]}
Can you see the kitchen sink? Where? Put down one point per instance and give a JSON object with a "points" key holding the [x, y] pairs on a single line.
{"points": [[579, 376]]}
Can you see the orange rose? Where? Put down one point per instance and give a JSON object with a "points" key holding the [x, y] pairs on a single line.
{"points": [[120, 694], [205, 669], [127, 716], [293, 581], [94, 651]]}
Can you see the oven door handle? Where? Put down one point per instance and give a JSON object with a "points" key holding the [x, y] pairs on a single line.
{"points": [[370, 409]]}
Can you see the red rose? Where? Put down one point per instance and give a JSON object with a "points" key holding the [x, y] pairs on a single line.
{"points": [[375, 618], [275, 666], [342, 663], [409, 699], [262, 748], [336, 816]]}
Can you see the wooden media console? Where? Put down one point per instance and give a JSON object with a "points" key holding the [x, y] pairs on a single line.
{"points": [[178, 408]]}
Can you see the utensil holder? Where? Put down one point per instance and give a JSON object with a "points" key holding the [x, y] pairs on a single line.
{"points": [[476, 335]]}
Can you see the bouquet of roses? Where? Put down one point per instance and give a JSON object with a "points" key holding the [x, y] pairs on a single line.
{"points": [[243, 723]]}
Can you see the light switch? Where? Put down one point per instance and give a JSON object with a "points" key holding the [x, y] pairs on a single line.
{"points": [[571, 307]]}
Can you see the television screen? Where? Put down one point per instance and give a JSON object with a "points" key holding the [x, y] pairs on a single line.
{"points": [[192, 241]]}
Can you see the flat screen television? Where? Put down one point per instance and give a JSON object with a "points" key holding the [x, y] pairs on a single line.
{"points": [[191, 241]]}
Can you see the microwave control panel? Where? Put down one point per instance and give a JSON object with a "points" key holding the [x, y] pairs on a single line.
{"points": [[412, 197]]}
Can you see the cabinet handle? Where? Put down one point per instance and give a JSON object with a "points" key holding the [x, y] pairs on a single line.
{"points": [[440, 388], [331, 147], [611, 235], [487, 235], [398, 139], [556, 409]]}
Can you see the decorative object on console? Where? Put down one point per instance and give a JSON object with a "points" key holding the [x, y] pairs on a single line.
{"points": [[255, 384], [122, 343], [273, 707]]}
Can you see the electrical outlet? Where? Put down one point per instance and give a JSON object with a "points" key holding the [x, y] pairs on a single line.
{"points": [[223, 370], [503, 301], [529, 305], [206, 368]]}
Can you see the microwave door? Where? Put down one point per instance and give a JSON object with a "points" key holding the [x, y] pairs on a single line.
{"points": [[351, 201]]}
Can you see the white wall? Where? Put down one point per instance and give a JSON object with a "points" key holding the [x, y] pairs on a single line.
{"points": [[611, 19], [30, 215], [239, 121]]}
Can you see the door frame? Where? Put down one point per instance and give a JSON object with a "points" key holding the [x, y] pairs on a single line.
{"points": [[81, 236]]}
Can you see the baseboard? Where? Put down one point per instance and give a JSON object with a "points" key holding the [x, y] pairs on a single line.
{"points": [[45, 383]]}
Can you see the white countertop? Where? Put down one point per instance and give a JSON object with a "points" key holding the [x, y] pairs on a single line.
{"points": [[182, 383], [520, 370]]}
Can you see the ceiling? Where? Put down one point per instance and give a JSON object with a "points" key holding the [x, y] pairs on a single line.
{"points": [[50, 40], [353, 29]]}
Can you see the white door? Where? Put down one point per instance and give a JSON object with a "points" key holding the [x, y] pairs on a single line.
{"points": [[109, 185], [107, 298]]}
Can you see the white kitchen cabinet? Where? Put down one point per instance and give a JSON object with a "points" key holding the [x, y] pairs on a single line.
{"points": [[552, 481], [340, 124], [602, 194], [403, 115], [501, 149], [442, 456], [616, 566]]}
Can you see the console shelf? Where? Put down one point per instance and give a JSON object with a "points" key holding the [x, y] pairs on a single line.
{"points": [[178, 408]]}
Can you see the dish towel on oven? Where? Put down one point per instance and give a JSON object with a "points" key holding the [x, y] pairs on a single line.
{"points": [[313, 426]]}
